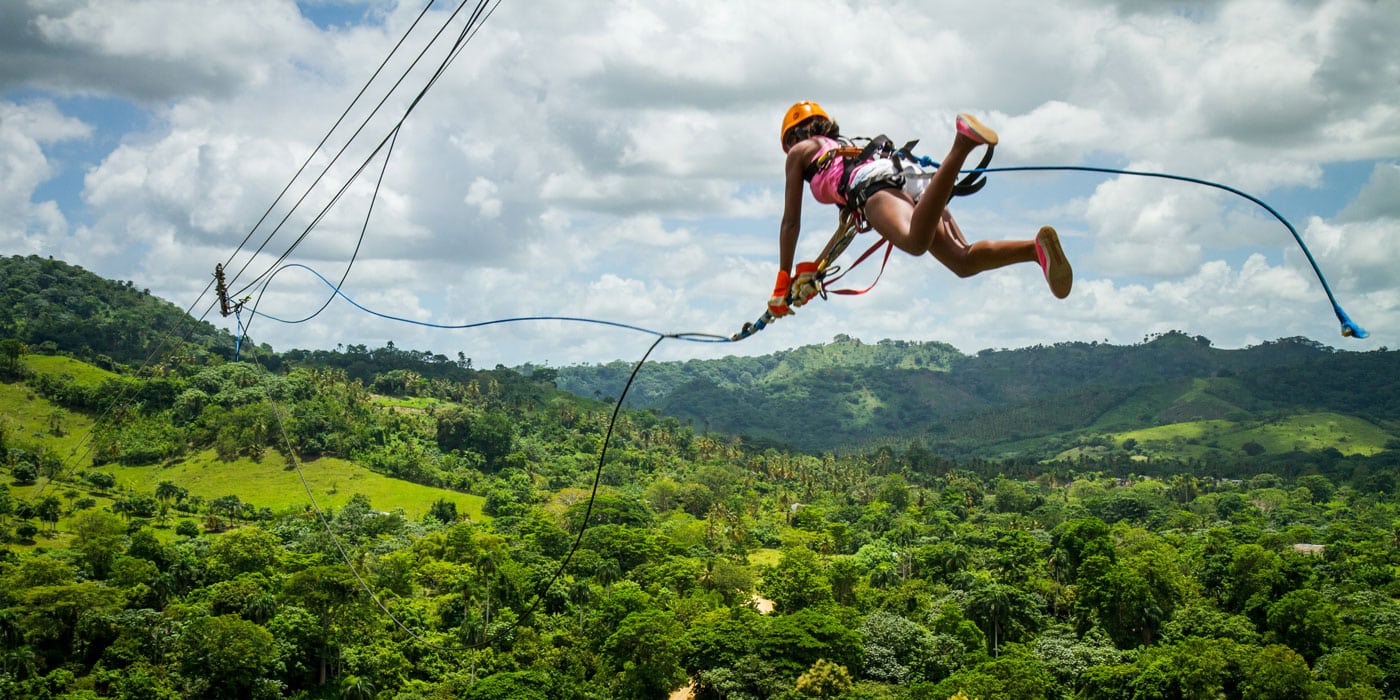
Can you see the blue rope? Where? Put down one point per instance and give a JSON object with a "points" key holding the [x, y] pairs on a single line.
{"points": [[692, 337], [238, 339], [1349, 328]]}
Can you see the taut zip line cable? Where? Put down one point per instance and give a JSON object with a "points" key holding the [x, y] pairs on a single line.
{"points": [[311, 156]]}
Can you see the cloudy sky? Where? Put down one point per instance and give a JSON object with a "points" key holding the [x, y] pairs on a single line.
{"points": [[620, 161]]}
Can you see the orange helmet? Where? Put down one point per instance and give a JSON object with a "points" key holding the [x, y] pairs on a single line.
{"points": [[799, 112]]}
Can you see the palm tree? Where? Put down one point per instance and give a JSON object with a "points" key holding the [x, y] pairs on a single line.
{"points": [[580, 594], [19, 662], [990, 605], [49, 511], [1002, 611], [229, 505], [167, 491], [11, 349], [356, 688]]}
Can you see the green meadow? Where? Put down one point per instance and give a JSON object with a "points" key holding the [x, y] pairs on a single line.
{"points": [[272, 483], [1190, 398], [1308, 431], [81, 372], [26, 417], [265, 483], [765, 557]]}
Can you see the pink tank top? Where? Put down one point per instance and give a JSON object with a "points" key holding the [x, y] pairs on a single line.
{"points": [[827, 182]]}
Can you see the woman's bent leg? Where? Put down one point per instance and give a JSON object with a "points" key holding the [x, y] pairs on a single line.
{"points": [[951, 248], [889, 212], [928, 213]]}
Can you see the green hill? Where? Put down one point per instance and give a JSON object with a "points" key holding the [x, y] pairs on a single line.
{"points": [[50, 305], [1012, 403], [67, 441]]}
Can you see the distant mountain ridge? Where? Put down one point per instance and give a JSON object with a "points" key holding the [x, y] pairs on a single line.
{"points": [[850, 394], [659, 379]]}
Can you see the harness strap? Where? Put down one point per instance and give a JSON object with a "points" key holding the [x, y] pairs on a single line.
{"points": [[851, 222], [889, 248], [880, 146], [877, 148], [975, 181], [825, 159], [847, 226]]}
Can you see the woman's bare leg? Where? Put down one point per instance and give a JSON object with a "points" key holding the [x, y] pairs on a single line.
{"points": [[928, 226], [928, 213], [889, 213], [951, 248], [914, 227]]}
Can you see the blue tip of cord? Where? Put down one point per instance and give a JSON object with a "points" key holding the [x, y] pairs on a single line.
{"points": [[1349, 327]]}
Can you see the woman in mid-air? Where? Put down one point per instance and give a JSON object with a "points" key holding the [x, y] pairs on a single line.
{"points": [[915, 221]]}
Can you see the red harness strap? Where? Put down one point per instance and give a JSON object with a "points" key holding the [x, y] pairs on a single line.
{"points": [[889, 248]]}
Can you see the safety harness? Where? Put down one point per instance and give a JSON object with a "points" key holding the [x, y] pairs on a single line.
{"points": [[815, 279], [853, 156]]}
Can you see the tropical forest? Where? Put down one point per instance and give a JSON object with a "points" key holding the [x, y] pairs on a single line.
{"points": [[186, 514]]}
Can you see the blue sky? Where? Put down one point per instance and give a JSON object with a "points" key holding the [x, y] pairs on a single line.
{"points": [[619, 161]]}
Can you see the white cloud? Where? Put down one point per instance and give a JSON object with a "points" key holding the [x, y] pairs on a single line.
{"points": [[1142, 226], [1361, 255], [621, 160], [150, 49], [1380, 198], [1056, 132], [1259, 84], [25, 130], [482, 195]]}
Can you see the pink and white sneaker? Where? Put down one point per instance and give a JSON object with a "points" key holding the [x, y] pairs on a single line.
{"points": [[977, 131], [1053, 262]]}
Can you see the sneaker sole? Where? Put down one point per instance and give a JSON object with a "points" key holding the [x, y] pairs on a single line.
{"points": [[1057, 269], [984, 132]]}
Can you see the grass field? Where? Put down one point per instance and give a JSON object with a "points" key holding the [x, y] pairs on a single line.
{"points": [[407, 402], [81, 372], [765, 556], [263, 484], [1196, 398], [1309, 431], [271, 483], [30, 419]]}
